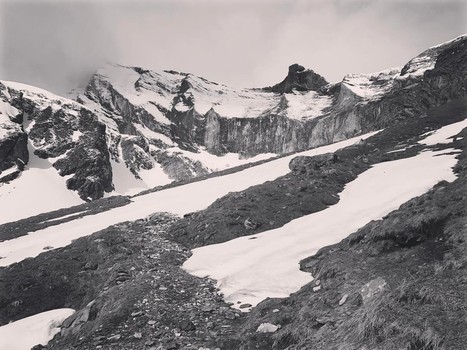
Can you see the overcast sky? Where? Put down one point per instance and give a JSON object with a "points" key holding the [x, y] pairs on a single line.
{"points": [[244, 43]]}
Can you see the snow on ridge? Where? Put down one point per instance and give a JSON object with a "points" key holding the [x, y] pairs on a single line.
{"points": [[418, 65], [178, 200], [306, 105], [143, 87], [30, 331], [363, 84], [138, 88], [456, 39], [249, 271], [371, 85], [41, 97]]}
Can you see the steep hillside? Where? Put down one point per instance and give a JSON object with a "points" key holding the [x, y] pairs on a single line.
{"points": [[133, 129], [351, 237], [130, 291]]}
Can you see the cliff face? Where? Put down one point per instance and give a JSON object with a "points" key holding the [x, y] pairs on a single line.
{"points": [[156, 127], [300, 112], [46, 126]]}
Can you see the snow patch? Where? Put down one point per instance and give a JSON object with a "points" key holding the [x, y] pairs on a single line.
{"points": [[38, 329], [153, 135], [178, 200], [66, 216], [373, 85], [76, 135], [126, 183], [218, 163], [6, 125], [39, 189], [268, 267], [306, 105], [444, 134]]}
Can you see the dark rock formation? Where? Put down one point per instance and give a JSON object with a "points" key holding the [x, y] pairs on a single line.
{"points": [[89, 163], [14, 151], [158, 112], [306, 165], [61, 128], [299, 79]]}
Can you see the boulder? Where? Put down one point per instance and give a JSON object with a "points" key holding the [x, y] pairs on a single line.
{"points": [[267, 328], [308, 165], [370, 289]]}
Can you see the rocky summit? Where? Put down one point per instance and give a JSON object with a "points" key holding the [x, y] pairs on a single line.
{"points": [[160, 210]]}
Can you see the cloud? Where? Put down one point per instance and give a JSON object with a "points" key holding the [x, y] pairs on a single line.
{"points": [[56, 44], [52, 44]]}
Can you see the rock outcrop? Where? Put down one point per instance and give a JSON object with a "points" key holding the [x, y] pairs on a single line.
{"points": [[13, 141], [299, 79], [162, 126], [62, 131]]}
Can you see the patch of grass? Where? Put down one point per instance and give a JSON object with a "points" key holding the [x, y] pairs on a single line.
{"points": [[371, 322]]}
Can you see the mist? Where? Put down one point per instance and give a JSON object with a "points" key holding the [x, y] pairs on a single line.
{"points": [[57, 45]]}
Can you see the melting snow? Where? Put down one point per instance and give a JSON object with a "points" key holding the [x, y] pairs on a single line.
{"points": [[306, 105], [372, 85], [253, 270], [177, 200], [39, 189], [38, 329], [217, 163], [6, 125], [153, 135], [444, 134], [160, 88]]}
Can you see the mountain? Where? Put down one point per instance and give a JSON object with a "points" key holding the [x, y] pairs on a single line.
{"points": [[305, 215], [133, 129]]}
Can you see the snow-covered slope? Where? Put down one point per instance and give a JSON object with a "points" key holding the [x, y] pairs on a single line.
{"points": [[250, 270], [371, 86], [177, 200], [158, 91], [133, 129], [34, 330], [39, 189]]}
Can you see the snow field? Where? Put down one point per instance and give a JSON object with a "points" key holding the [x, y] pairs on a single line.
{"points": [[443, 135], [160, 88], [250, 270], [38, 329], [39, 189], [177, 200]]}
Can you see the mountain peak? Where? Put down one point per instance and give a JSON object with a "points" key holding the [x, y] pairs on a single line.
{"points": [[300, 79], [295, 68]]}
